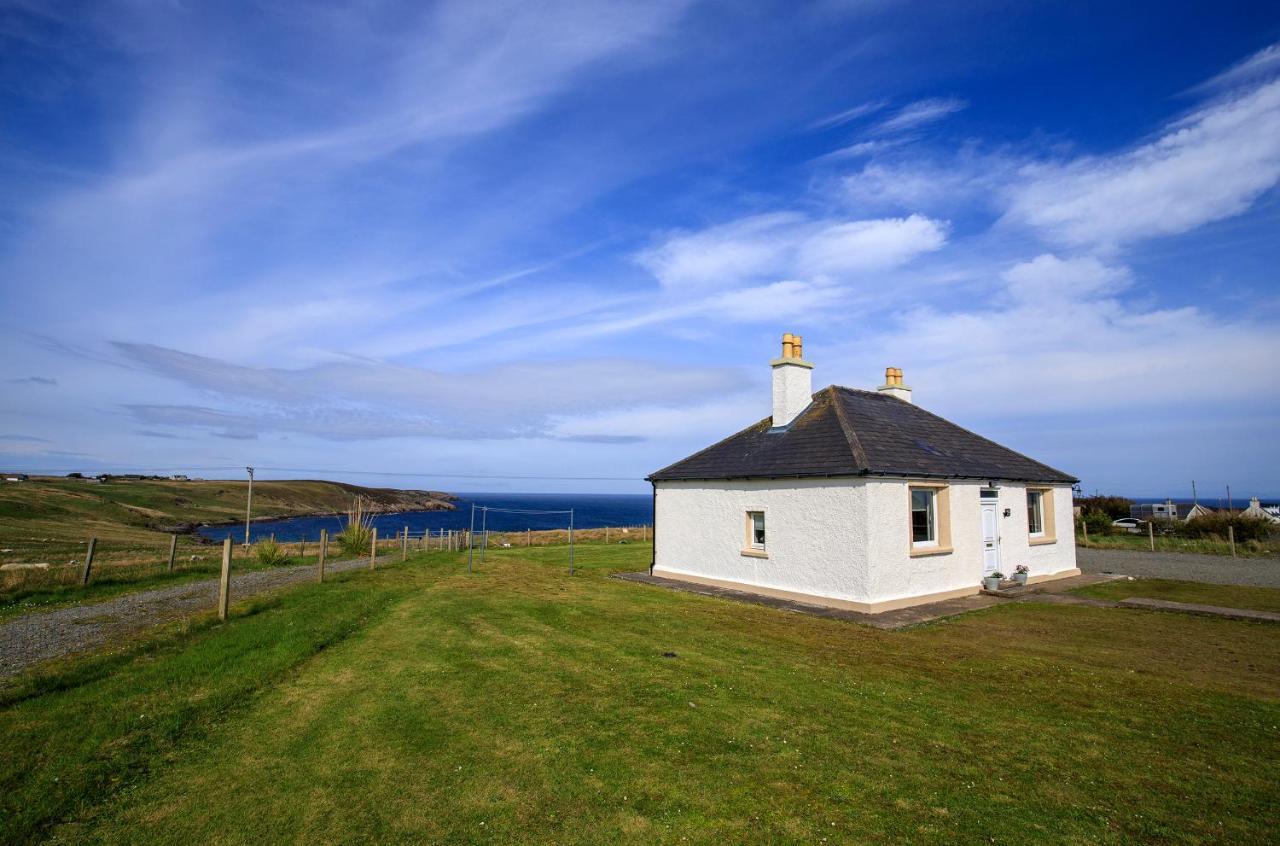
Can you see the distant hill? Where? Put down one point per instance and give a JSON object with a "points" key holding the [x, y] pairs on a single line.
{"points": [[133, 508]]}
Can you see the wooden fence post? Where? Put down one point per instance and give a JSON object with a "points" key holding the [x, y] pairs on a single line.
{"points": [[644, 532], [373, 550], [404, 546], [173, 550], [1151, 534], [1085, 526], [1231, 536], [224, 584], [606, 534], [324, 547], [88, 562], [302, 547]]}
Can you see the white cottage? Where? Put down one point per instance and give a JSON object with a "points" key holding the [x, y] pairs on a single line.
{"points": [[858, 499]]}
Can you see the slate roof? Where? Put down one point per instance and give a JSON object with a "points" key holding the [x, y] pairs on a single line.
{"points": [[848, 432]]}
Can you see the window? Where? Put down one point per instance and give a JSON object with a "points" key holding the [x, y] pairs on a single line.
{"points": [[755, 529], [930, 518], [1035, 513], [924, 517], [1040, 526]]}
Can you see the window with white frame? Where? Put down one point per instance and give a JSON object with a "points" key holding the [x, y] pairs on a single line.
{"points": [[1035, 513], [755, 530], [924, 517]]}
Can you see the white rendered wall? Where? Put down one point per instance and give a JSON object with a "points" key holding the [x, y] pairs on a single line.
{"points": [[815, 534], [844, 539], [896, 573]]}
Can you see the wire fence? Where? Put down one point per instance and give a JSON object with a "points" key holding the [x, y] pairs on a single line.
{"points": [[52, 564]]}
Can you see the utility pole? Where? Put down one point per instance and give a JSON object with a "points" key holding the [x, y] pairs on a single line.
{"points": [[1194, 500], [1229, 508], [248, 508]]}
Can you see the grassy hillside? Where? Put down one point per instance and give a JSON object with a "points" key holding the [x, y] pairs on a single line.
{"points": [[521, 705], [49, 518]]}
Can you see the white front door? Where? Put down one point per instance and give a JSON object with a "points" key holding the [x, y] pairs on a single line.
{"points": [[990, 537]]}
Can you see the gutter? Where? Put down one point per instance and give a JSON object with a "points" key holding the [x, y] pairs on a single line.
{"points": [[653, 559]]}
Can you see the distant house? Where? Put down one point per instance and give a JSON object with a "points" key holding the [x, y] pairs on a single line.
{"points": [[858, 499], [1198, 510], [1258, 512], [178, 477], [16, 477], [1167, 510]]}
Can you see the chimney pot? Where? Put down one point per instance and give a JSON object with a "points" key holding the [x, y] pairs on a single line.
{"points": [[893, 385]]}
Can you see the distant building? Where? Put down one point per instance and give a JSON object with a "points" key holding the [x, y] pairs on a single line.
{"points": [[1167, 510], [1198, 510], [178, 477], [16, 477], [1257, 511]]}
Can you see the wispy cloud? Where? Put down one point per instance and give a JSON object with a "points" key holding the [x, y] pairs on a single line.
{"points": [[43, 381], [919, 113], [848, 115], [1207, 166]]}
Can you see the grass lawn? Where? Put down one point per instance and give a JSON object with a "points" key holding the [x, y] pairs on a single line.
{"points": [[1227, 596], [521, 705]]}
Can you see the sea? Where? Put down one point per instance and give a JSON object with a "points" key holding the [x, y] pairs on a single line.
{"points": [[517, 513]]}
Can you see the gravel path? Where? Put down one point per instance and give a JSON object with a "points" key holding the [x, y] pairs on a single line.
{"points": [[42, 635], [1218, 569]]}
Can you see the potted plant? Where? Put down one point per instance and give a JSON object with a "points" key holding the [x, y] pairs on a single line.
{"points": [[1020, 574], [992, 582]]}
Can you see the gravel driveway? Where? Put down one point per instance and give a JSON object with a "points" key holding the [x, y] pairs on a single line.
{"points": [[41, 635], [1218, 569]]}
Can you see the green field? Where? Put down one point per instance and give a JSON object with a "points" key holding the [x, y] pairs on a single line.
{"points": [[1226, 596], [49, 520], [522, 705], [1269, 548]]}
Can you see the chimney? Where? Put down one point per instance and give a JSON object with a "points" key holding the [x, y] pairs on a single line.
{"points": [[792, 381], [893, 384]]}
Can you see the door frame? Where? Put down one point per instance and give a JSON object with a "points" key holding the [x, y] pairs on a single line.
{"points": [[994, 504]]}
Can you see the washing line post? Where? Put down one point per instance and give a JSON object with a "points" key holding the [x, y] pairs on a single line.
{"points": [[570, 541], [484, 531], [470, 550]]}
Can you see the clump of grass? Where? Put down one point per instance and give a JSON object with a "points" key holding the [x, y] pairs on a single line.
{"points": [[357, 536], [270, 553]]}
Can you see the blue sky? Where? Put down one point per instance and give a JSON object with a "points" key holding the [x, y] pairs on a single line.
{"points": [[514, 246]]}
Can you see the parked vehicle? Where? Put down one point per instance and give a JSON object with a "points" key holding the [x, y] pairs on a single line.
{"points": [[1132, 525]]}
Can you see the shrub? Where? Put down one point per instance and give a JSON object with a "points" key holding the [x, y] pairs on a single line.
{"points": [[270, 553], [357, 536], [1099, 522], [1215, 526], [1114, 507]]}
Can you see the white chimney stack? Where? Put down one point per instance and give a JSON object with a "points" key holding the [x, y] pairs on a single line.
{"points": [[792, 381], [893, 384]]}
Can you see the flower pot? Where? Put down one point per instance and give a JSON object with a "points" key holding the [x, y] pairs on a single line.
{"points": [[1020, 578], [990, 583]]}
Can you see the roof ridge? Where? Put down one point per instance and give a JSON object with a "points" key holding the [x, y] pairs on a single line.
{"points": [[962, 428], [850, 435]]}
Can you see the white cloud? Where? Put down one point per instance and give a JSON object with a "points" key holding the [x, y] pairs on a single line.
{"points": [[789, 244], [864, 245], [1262, 64], [848, 115], [1064, 343], [363, 398], [722, 255], [1210, 165], [1049, 278], [920, 113]]}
